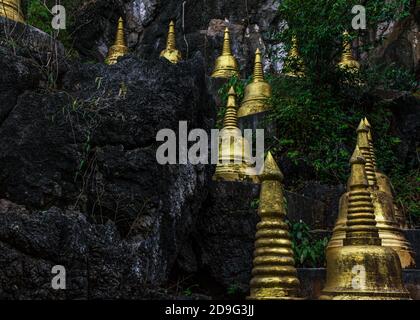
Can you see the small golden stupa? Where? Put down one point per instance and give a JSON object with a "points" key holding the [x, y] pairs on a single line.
{"points": [[11, 9], [294, 61], [226, 64], [362, 269], [347, 59], [384, 183], [274, 275], [257, 93], [389, 229], [171, 53], [234, 150], [119, 49]]}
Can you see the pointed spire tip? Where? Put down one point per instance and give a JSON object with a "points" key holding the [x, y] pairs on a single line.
{"points": [[362, 126], [271, 169]]}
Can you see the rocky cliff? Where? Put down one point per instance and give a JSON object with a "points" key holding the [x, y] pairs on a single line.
{"points": [[79, 181]]}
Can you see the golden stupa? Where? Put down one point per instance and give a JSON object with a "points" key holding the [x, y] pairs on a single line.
{"points": [[226, 64], [389, 230], [257, 93], [171, 53], [347, 59], [234, 150], [294, 61], [119, 49], [274, 275], [362, 269], [384, 183], [11, 9]]}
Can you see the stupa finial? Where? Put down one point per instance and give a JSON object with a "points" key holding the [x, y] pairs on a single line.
{"points": [[171, 53], [257, 93], [347, 59], [226, 64], [294, 61], [227, 51], [258, 67], [363, 144], [119, 48], [231, 116]]}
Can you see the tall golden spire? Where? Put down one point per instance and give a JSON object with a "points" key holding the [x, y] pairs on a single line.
{"points": [[234, 150], [389, 216], [372, 149], [119, 48], [226, 64], [11, 9], [362, 269], [384, 203], [257, 93], [294, 61], [258, 67], [384, 183], [227, 51], [363, 144], [347, 59], [231, 117], [274, 273], [171, 53]]}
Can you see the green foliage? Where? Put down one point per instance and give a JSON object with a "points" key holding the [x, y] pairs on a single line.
{"points": [[408, 196], [189, 291], [317, 114], [38, 15], [255, 203], [233, 290], [390, 77], [308, 251]]}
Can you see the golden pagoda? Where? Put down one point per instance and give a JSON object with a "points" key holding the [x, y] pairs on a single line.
{"points": [[384, 183], [274, 275], [294, 61], [389, 229], [171, 53], [347, 59], [226, 64], [119, 49], [362, 269], [11, 9], [257, 93], [234, 150]]}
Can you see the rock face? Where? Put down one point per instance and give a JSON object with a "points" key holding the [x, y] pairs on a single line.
{"points": [[199, 27], [401, 44], [26, 65], [226, 233], [90, 147], [98, 263]]}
